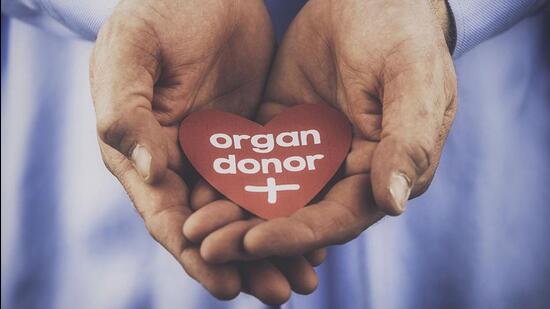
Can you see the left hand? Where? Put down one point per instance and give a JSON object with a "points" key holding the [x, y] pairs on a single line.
{"points": [[386, 65], [154, 62]]}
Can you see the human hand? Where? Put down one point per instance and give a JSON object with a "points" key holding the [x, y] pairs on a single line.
{"points": [[386, 65], [154, 62]]}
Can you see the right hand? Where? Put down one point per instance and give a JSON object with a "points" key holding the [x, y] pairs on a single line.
{"points": [[155, 62], [386, 65]]}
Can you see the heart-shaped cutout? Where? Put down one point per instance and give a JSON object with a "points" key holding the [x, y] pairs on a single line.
{"points": [[271, 170]]}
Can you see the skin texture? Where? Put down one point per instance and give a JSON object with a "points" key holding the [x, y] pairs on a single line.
{"points": [[155, 62], [386, 65]]}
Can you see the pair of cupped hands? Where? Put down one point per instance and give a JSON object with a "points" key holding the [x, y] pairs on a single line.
{"points": [[384, 63]]}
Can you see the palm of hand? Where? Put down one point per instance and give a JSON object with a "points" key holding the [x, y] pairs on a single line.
{"points": [[177, 68], [182, 58], [344, 54], [367, 64]]}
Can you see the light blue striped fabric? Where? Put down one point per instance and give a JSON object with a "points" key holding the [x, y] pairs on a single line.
{"points": [[75, 18], [479, 20], [478, 238]]}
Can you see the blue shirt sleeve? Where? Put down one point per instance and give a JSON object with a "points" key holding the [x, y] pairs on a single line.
{"points": [[81, 18], [479, 20], [475, 20]]}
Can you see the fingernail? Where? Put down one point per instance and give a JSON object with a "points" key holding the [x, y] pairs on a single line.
{"points": [[142, 160], [400, 190]]}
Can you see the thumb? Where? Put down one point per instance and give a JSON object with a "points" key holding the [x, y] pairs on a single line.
{"points": [[416, 119], [134, 132], [122, 77]]}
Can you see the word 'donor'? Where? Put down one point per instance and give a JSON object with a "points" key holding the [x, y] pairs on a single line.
{"points": [[230, 165]]}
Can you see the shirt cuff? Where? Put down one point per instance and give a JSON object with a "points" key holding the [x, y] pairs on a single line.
{"points": [[479, 20], [82, 18]]}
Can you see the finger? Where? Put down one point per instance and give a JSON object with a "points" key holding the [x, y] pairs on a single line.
{"points": [[211, 217], [316, 257], [268, 110], [265, 281], [226, 243], [163, 207], [347, 210], [358, 160], [123, 69], [202, 194], [300, 274], [418, 108], [223, 281]]}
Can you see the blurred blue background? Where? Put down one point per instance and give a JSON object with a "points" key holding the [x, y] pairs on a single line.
{"points": [[478, 238]]}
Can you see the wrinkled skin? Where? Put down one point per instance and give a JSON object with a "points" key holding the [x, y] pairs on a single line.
{"points": [[383, 63], [386, 66], [155, 62]]}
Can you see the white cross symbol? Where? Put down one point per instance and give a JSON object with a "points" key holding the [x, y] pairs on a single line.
{"points": [[272, 188]]}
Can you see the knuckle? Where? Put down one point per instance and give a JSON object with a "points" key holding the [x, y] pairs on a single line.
{"points": [[420, 153], [117, 125], [110, 127], [418, 150]]}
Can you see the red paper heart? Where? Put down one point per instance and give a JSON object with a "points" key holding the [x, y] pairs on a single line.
{"points": [[208, 140]]}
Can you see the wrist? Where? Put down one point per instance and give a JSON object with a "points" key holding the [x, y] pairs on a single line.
{"points": [[445, 20]]}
